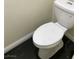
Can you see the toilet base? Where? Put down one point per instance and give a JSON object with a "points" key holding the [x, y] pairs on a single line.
{"points": [[46, 53]]}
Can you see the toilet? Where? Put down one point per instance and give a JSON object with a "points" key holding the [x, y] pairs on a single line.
{"points": [[48, 37]]}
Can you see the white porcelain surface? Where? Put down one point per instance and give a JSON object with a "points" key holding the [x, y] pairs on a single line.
{"points": [[64, 13], [48, 34], [65, 5], [49, 52]]}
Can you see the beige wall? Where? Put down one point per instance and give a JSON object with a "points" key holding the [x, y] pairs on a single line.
{"points": [[70, 34], [24, 16]]}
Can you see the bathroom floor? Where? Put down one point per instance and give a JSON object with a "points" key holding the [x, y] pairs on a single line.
{"points": [[28, 51]]}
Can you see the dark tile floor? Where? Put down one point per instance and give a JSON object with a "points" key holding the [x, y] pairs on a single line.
{"points": [[28, 51]]}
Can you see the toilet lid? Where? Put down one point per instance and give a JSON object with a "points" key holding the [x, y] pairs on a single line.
{"points": [[48, 34]]}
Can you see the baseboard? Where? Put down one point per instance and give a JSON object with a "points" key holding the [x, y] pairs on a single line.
{"points": [[18, 42]]}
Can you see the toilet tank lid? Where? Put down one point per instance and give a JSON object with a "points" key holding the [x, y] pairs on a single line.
{"points": [[48, 34], [65, 5]]}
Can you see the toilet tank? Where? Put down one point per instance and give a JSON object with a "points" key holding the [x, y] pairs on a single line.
{"points": [[64, 13]]}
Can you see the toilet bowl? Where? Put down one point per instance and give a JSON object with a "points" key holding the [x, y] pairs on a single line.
{"points": [[48, 37]]}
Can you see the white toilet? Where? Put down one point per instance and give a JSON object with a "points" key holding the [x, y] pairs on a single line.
{"points": [[48, 37]]}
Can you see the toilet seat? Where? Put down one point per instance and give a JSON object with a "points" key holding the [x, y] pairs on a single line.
{"points": [[48, 35]]}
